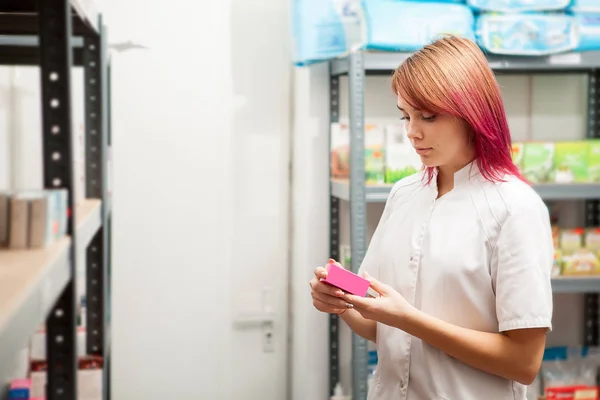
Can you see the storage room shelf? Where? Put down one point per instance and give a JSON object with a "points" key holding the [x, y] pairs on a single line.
{"points": [[584, 284], [385, 62], [32, 280], [20, 16], [548, 191]]}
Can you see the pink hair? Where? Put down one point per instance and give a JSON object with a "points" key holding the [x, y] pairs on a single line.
{"points": [[451, 76]]}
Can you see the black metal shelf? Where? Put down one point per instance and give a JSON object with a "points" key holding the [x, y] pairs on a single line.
{"points": [[57, 35]]}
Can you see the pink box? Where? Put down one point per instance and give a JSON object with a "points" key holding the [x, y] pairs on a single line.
{"points": [[346, 280]]}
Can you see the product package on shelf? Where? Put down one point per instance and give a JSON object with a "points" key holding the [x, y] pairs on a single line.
{"points": [[585, 6], [559, 162], [401, 159], [589, 30], [323, 29], [32, 219], [374, 152], [576, 252], [531, 34], [518, 6], [389, 156], [391, 25], [570, 373]]}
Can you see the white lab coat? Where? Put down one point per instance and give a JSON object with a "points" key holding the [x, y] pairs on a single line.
{"points": [[478, 257]]}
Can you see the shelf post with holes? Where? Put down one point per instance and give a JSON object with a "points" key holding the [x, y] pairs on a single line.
{"points": [[334, 246], [56, 61], [591, 305], [96, 83]]}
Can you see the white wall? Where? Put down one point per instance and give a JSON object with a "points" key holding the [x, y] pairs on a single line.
{"points": [[201, 151]]}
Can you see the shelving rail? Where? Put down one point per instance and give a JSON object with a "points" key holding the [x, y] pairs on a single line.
{"points": [[39, 286], [357, 65]]}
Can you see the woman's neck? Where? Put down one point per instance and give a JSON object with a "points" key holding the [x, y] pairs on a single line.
{"points": [[445, 176]]}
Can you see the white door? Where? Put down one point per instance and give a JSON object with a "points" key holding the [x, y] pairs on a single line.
{"points": [[200, 159]]}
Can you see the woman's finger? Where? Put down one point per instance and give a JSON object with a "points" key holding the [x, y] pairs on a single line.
{"points": [[328, 308], [327, 289], [331, 300]]}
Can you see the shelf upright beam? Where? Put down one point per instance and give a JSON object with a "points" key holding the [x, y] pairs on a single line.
{"points": [[96, 88], [358, 211], [592, 300], [56, 60], [334, 236]]}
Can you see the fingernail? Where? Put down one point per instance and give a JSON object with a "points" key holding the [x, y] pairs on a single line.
{"points": [[340, 293], [331, 261]]}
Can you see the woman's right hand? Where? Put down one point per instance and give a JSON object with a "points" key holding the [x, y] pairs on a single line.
{"points": [[326, 297]]}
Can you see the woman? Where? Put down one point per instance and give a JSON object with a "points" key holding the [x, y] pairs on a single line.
{"points": [[462, 255]]}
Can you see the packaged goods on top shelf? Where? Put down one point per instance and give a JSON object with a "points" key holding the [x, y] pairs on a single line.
{"points": [[32, 219], [324, 30], [392, 25], [528, 34], [585, 6], [518, 6]]}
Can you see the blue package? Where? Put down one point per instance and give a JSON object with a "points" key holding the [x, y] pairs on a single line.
{"points": [[589, 31], [408, 25], [518, 6], [530, 34], [319, 33], [585, 6]]}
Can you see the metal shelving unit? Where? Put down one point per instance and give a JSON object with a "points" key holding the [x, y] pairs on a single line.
{"points": [[38, 286], [357, 65]]}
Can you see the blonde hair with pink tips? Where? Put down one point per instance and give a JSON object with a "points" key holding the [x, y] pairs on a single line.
{"points": [[451, 76]]}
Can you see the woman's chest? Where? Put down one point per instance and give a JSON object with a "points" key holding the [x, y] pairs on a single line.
{"points": [[438, 245]]}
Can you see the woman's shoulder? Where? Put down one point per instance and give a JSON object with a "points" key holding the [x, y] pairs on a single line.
{"points": [[519, 196], [407, 185]]}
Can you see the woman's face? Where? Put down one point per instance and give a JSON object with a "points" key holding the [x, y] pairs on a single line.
{"points": [[440, 140]]}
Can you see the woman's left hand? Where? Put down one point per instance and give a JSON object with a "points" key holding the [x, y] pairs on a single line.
{"points": [[389, 308]]}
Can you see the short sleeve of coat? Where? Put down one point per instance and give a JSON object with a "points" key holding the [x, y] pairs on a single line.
{"points": [[521, 268]]}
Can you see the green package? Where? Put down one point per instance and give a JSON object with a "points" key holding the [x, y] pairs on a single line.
{"points": [[537, 161], [594, 160], [570, 162]]}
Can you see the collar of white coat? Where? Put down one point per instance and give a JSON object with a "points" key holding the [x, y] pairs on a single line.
{"points": [[463, 175]]}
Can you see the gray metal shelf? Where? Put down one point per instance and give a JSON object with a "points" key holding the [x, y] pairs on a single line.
{"points": [[385, 62], [548, 191], [357, 65], [584, 284]]}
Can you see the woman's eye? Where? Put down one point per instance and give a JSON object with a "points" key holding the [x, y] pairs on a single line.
{"points": [[428, 117], [403, 118]]}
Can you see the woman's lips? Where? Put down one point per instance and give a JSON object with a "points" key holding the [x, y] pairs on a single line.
{"points": [[422, 151]]}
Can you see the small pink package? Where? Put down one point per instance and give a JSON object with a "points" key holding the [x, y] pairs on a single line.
{"points": [[346, 280]]}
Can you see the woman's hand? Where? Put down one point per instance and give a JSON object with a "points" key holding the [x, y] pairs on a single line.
{"points": [[389, 308], [327, 298]]}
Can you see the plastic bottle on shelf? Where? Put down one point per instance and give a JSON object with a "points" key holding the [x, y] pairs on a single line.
{"points": [[338, 393]]}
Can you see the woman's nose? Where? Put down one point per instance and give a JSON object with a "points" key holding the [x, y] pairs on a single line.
{"points": [[412, 132]]}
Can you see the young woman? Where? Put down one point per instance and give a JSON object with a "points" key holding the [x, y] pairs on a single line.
{"points": [[462, 255]]}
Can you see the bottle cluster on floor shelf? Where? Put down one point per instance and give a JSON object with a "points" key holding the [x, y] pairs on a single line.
{"points": [[559, 162], [327, 29], [33, 218]]}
